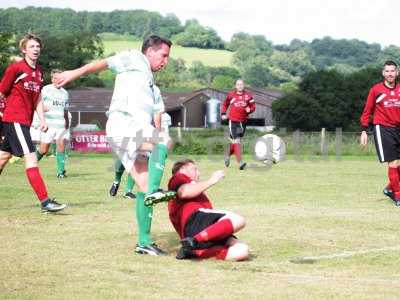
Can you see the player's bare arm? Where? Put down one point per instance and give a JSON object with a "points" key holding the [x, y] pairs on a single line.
{"points": [[40, 112], [191, 190], [364, 138], [66, 77], [157, 120]]}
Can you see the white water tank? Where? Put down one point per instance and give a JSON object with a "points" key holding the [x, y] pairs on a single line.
{"points": [[213, 113]]}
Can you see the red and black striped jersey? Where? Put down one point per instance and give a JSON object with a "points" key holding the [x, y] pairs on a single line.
{"points": [[382, 106]]}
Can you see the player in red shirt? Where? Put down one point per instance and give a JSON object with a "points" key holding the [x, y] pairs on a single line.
{"points": [[240, 103], [20, 86], [205, 232], [2, 107], [383, 107]]}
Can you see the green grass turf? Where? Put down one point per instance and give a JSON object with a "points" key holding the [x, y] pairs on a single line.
{"points": [[295, 209], [209, 57]]}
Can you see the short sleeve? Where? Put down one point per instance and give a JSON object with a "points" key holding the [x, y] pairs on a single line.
{"points": [[66, 100], [8, 80], [177, 181], [123, 61]]}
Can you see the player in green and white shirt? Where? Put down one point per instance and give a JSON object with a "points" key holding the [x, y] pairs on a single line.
{"points": [[129, 126], [162, 124], [56, 101]]}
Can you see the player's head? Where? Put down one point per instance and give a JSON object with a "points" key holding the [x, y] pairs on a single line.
{"points": [[53, 73], [30, 46], [156, 49], [390, 71], [239, 85], [187, 167]]}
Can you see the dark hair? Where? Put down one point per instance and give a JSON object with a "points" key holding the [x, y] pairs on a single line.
{"points": [[180, 163], [390, 63], [155, 41]]}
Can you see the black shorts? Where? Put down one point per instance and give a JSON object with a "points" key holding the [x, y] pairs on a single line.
{"points": [[199, 221], [387, 143], [17, 139], [236, 129]]}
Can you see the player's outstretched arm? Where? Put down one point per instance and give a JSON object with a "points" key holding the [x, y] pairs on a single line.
{"points": [[69, 76], [191, 190]]}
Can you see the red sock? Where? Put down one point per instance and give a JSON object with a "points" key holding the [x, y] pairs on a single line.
{"points": [[231, 149], [36, 181], [218, 231], [219, 252], [238, 152], [394, 180]]}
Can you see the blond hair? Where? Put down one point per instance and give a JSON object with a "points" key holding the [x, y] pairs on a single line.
{"points": [[28, 37]]}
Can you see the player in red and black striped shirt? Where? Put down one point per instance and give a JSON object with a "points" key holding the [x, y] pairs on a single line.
{"points": [[240, 103], [383, 109], [20, 86], [205, 232]]}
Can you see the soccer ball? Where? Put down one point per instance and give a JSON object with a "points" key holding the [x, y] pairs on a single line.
{"points": [[270, 148]]}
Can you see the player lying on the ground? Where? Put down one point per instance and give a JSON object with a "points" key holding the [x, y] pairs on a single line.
{"points": [[21, 86], [383, 103], [205, 232], [129, 126], [56, 102]]}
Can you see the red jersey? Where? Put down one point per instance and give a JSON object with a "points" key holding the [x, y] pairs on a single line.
{"points": [[238, 103], [21, 85], [181, 209], [383, 103]]}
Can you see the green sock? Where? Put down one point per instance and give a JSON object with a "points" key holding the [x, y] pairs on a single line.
{"points": [[156, 166], [60, 157], [38, 155], [119, 170], [53, 149], [129, 184], [144, 216]]}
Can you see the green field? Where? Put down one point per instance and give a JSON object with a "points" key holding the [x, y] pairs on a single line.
{"points": [[209, 57], [296, 209]]}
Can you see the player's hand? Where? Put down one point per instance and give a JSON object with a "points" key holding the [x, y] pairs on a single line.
{"points": [[364, 138], [216, 176], [63, 78], [43, 127], [45, 108], [224, 117], [247, 109]]}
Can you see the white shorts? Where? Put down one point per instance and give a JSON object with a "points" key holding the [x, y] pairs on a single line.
{"points": [[53, 134], [35, 134], [126, 148]]}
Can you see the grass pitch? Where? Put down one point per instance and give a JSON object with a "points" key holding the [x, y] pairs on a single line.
{"points": [[316, 229], [209, 57]]}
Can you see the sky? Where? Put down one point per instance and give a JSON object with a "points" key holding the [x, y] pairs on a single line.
{"points": [[280, 21]]}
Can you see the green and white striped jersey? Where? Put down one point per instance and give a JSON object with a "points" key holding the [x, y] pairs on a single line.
{"points": [[57, 101], [135, 98]]}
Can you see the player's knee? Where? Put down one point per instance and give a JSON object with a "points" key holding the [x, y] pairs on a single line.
{"points": [[238, 252], [238, 222]]}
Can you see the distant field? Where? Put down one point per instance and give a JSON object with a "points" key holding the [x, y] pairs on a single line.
{"points": [[209, 57], [332, 211]]}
